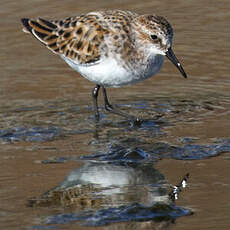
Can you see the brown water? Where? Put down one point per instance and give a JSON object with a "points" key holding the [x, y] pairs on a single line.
{"points": [[38, 90]]}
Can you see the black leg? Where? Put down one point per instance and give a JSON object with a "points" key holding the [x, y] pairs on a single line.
{"points": [[111, 109], [95, 95], [108, 106]]}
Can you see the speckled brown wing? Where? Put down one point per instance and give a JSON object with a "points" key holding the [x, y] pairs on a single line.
{"points": [[44, 31], [77, 38]]}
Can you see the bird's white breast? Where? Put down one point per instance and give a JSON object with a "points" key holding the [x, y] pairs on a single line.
{"points": [[110, 73]]}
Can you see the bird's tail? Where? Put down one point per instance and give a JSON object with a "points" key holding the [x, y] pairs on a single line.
{"points": [[43, 30]]}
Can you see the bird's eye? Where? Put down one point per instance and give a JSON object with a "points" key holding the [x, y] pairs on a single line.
{"points": [[154, 37]]}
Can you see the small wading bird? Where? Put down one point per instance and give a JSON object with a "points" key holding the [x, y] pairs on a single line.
{"points": [[110, 48]]}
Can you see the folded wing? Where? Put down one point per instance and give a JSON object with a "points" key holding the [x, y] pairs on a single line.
{"points": [[75, 38]]}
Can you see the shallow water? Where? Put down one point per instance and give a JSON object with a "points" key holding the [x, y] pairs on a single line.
{"points": [[61, 170]]}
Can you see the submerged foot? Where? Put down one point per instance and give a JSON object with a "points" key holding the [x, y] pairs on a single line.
{"points": [[136, 121]]}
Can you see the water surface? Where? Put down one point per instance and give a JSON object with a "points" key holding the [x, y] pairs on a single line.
{"points": [[60, 169]]}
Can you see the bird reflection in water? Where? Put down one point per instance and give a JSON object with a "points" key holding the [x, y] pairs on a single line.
{"points": [[100, 193]]}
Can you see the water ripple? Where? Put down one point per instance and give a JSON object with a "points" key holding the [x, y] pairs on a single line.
{"points": [[133, 212]]}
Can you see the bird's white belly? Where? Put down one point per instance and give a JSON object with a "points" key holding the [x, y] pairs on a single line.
{"points": [[110, 73]]}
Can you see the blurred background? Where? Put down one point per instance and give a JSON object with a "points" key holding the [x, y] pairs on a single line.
{"points": [[46, 111]]}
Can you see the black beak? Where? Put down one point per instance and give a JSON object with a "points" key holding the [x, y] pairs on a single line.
{"points": [[172, 57]]}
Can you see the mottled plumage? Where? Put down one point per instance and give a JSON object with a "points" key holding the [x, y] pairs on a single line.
{"points": [[111, 48], [82, 38]]}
